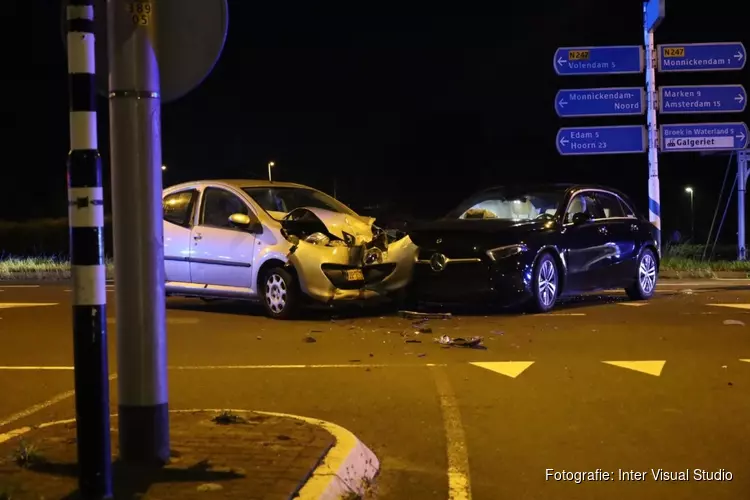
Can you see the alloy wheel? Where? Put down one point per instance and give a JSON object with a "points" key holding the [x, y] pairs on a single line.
{"points": [[276, 293], [647, 273], [547, 282]]}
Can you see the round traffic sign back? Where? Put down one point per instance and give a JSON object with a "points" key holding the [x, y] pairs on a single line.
{"points": [[190, 36]]}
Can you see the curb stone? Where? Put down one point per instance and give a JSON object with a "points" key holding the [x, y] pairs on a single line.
{"points": [[670, 274], [348, 466]]}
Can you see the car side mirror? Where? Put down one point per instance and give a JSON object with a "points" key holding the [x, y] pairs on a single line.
{"points": [[581, 218], [249, 223]]}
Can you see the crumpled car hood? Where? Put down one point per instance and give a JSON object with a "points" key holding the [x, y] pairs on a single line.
{"points": [[338, 224]]}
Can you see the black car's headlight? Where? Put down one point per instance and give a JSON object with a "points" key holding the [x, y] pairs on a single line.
{"points": [[506, 251]]}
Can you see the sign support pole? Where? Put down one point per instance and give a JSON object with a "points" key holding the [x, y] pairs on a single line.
{"points": [[135, 137], [88, 270], [742, 174], [654, 205]]}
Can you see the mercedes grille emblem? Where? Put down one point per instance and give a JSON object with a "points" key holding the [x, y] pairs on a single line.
{"points": [[438, 262], [439, 241]]}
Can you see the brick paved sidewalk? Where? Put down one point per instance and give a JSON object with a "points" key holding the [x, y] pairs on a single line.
{"points": [[245, 456]]}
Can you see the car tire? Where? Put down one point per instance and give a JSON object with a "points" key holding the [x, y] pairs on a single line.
{"points": [[545, 285], [644, 286], [280, 293]]}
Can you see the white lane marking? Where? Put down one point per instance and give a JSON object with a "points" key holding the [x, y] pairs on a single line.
{"points": [[8, 305], [237, 367], [734, 306], [745, 360], [288, 367], [632, 304], [30, 368], [459, 486], [20, 286], [172, 321], [41, 406], [566, 314]]}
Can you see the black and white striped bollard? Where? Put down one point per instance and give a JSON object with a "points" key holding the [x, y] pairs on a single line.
{"points": [[86, 219]]}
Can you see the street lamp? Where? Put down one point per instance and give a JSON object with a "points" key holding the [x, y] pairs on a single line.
{"points": [[690, 191], [163, 168], [270, 166]]}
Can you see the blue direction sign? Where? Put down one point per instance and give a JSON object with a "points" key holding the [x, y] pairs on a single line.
{"points": [[608, 60], [655, 13], [722, 56], [601, 140], [600, 102], [703, 137], [702, 99]]}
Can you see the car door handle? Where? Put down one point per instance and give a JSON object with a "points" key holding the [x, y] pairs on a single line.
{"points": [[197, 237]]}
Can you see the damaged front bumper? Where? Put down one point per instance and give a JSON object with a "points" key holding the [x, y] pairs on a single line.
{"points": [[360, 272]]}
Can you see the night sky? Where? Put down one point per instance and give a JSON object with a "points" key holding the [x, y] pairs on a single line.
{"points": [[416, 108]]}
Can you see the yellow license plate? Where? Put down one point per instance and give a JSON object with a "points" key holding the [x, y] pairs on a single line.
{"points": [[354, 275]]}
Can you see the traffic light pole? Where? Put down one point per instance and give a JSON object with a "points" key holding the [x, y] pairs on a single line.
{"points": [[135, 138], [88, 271]]}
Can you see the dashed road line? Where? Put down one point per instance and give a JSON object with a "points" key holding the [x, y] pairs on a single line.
{"points": [[19, 286], [459, 485]]}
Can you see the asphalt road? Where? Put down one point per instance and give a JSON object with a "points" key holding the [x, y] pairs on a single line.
{"points": [[601, 383]]}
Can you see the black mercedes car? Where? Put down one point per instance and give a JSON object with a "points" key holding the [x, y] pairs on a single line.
{"points": [[532, 245]]}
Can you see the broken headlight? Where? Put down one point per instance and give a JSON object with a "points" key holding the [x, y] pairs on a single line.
{"points": [[318, 239], [373, 256], [506, 251], [290, 237]]}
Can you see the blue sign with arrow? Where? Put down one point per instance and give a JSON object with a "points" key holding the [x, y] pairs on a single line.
{"points": [[702, 99], [601, 140], [703, 137], [600, 102], [721, 56], [608, 60]]}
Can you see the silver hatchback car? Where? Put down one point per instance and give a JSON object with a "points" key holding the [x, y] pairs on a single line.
{"points": [[278, 243]]}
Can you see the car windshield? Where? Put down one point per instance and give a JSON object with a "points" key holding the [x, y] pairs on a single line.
{"points": [[506, 204], [279, 201]]}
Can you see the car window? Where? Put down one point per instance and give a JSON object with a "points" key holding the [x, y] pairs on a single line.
{"points": [[178, 207], [627, 210], [218, 205], [583, 203], [610, 205], [279, 201]]}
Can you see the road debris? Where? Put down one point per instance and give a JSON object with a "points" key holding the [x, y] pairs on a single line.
{"points": [[497, 332], [421, 355], [733, 322], [419, 315], [412, 341], [258, 338], [309, 339], [472, 342]]}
